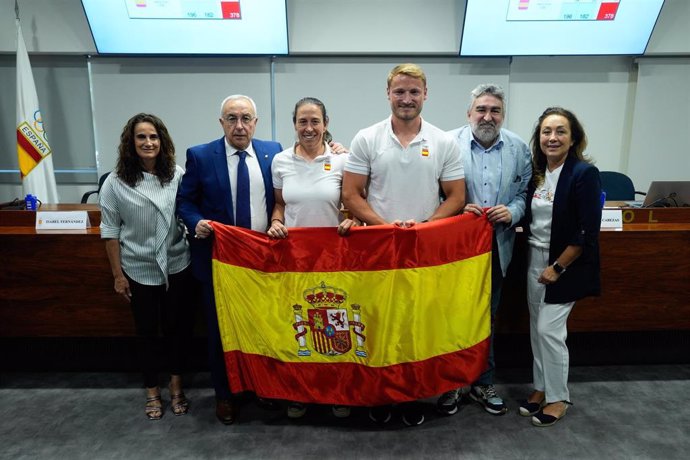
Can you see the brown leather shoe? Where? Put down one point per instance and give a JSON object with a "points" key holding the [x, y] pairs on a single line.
{"points": [[225, 411]]}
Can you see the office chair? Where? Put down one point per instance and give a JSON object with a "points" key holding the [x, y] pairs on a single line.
{"points": [[85, 196], [618, 186]]}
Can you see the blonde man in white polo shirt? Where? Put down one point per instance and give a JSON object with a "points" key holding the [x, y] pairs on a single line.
{"points": [[403, 163]]}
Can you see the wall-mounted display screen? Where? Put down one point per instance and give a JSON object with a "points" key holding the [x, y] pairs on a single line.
{"points": [[208, 27], [558, 27]]}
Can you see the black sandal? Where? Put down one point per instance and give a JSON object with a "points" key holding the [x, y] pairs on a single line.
{"points": [[528, 409], [542, 419]]}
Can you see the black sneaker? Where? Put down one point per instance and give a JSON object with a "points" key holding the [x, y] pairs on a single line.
{"points": [[380, 414], [447, 403], [340, 411], [268, 404], [412, 414], [487, 397], [296, 409]]}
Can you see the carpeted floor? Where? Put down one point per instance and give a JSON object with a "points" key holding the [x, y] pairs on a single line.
{"points": [[622, 412]]}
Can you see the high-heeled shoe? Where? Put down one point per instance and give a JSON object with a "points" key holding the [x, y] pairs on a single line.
{"points": [[541, 419], [179, 404], [154, 411]]}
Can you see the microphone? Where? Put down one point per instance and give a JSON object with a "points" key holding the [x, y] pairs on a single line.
{"points": [[663, 202], [15, 204]]}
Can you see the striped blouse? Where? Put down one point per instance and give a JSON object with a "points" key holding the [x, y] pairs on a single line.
{"points": [[142, 218]]}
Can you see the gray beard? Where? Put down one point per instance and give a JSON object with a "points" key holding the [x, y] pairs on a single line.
{"points": [[485, 135]]}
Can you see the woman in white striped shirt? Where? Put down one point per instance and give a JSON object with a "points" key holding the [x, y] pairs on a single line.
{"points": [[148, 252]]}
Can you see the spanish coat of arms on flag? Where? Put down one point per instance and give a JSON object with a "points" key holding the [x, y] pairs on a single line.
{"points": [[380, 316]]}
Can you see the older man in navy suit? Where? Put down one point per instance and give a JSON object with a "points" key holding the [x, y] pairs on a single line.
{"points": [[227, 180]]}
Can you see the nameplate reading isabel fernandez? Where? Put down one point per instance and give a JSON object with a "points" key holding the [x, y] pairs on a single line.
{"points": [[62, 220]]}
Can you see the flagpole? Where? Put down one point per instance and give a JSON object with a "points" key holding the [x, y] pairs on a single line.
{"points": [[34, 154]]}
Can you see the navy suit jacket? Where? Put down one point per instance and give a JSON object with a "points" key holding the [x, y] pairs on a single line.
{"points": [[576, 220], [204, 193]]}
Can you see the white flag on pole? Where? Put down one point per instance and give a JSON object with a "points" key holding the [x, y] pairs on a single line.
{"points": [[33, 151]]}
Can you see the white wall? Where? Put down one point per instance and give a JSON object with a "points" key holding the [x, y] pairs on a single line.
{"points": [[597, 89], [671, 35], [658, 150], [185, 93], [48, 26], [375, 26]]}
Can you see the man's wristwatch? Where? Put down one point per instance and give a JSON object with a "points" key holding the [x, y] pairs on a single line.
{"points": [[558, 268]]}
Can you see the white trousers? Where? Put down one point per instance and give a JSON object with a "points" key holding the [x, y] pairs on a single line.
{"points": [[548, 331]]}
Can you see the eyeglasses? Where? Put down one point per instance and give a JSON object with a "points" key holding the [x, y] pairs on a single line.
{"points": [[232, 119]]}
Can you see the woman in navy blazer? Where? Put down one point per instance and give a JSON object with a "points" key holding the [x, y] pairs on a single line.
{"points": [[564, 215]]}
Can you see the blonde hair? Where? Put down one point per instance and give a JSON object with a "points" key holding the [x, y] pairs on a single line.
{"points": [[411, 70]]}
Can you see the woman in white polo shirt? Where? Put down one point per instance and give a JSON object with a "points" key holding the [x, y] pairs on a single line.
{"points": [[148, 252], [307, 180], [307, 177]]}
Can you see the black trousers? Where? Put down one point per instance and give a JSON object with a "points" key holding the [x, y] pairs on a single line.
{"points": [[170, 312]]}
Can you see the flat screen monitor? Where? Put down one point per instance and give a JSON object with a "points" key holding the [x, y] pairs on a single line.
{"points": [[558, 27], [664, 194], [188, 27]]}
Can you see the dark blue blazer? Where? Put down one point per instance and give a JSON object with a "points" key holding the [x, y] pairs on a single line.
{"points": [[204, 193], [576, 221]]}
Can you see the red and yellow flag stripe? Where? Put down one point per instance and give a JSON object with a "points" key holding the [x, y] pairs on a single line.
{"points": [[407, 317], [28, 149]]}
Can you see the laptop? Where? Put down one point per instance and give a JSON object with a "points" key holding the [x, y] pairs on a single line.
{"points": [[662, 194]]}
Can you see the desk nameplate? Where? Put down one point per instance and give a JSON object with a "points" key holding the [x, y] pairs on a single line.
{"points": [[62, 220], [16, 218], [611, 219]]}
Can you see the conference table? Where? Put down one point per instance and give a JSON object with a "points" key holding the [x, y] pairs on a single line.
{"points": [[57, 283]]}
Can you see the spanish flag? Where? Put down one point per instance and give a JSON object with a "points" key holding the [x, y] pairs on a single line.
{"points": [[380, 316]]}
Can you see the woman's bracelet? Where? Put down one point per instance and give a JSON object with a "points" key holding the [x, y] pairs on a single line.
{"points": [[273, 220]]}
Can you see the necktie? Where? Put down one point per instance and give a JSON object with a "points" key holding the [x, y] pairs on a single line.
{"points": [[243, 215]]}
